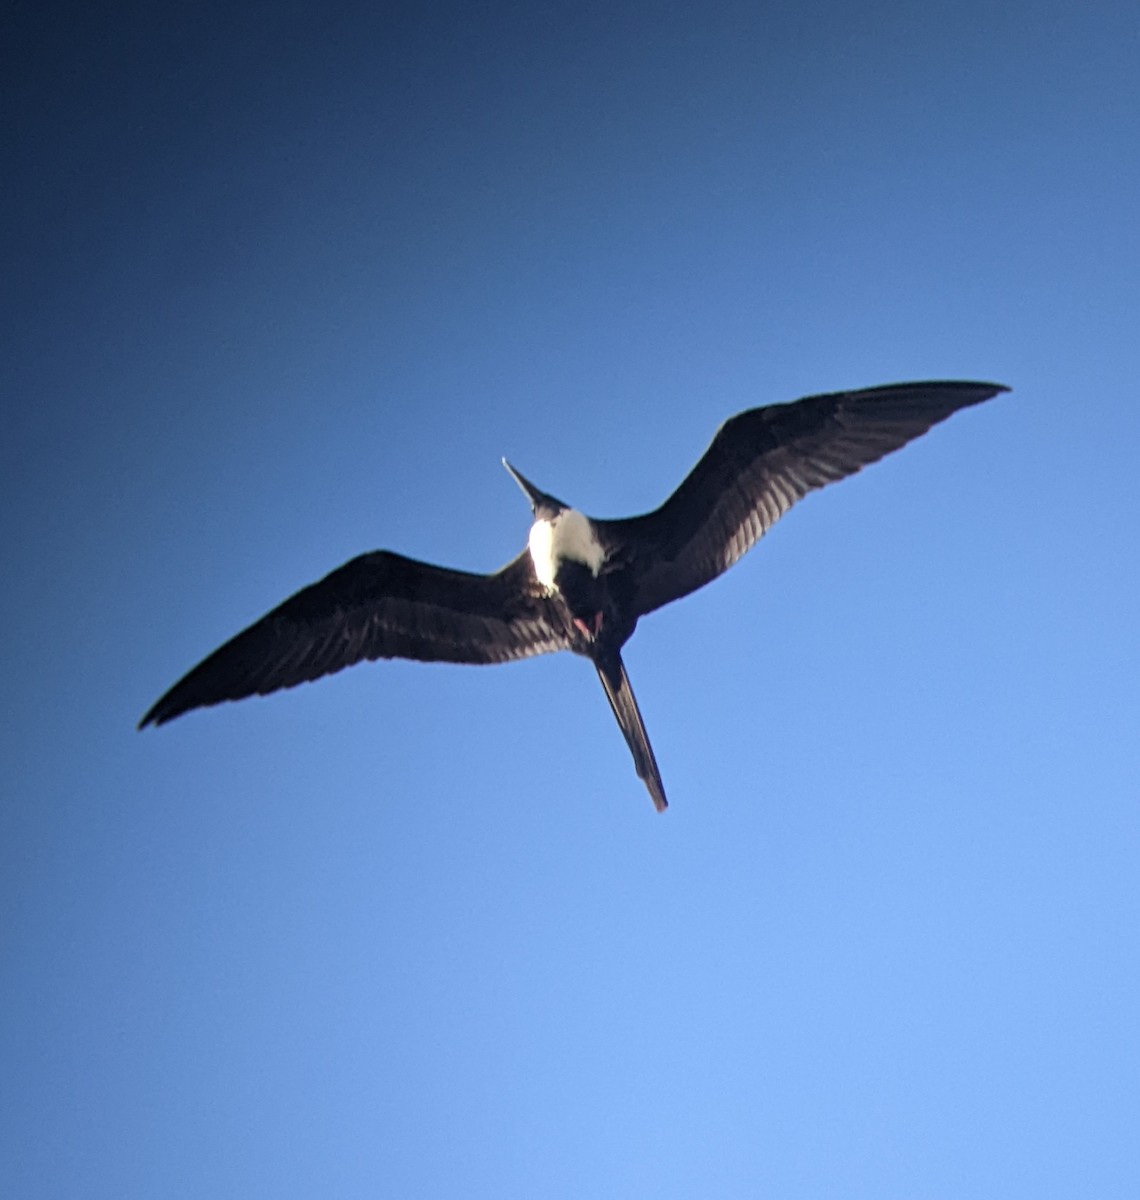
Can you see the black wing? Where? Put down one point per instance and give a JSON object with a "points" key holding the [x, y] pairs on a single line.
{"points": [[759, 464], [380, 605]]}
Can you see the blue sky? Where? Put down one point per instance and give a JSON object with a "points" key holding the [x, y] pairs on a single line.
{"points": [[282, 284]]}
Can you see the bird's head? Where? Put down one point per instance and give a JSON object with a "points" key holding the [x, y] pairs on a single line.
{"points": [[545, 507]]}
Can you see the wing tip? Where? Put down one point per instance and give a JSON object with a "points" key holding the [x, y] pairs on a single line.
{"points": [[929, 401], [982, 389], [989, 390], [156, 715]]}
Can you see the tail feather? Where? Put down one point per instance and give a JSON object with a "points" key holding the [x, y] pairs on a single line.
{"points": [[622, 701]]}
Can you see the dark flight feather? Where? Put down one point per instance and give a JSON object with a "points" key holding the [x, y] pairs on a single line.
{"points": [[759, 464], [380, 605]]}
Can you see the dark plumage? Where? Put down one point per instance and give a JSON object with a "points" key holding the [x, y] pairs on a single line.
{"points": [[581, 584]]}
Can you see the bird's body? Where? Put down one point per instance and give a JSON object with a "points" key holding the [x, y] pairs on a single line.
{"points": [[581, 584]]}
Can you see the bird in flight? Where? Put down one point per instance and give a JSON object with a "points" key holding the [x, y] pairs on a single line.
{"points": [[581, 584]]}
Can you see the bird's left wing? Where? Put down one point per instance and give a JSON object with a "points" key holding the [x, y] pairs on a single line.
{"points": [[380, 605], [759, 464]]}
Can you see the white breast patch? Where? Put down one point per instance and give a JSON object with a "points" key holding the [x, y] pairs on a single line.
{"points": [[568, 536]]}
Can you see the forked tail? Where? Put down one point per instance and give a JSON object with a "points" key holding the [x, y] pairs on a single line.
{"points": [[622, 701]]}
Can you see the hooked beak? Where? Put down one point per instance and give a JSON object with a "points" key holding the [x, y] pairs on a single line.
{"points": [[533, 494]]}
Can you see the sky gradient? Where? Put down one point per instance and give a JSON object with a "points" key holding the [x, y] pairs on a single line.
{"points": [[281, 285]]}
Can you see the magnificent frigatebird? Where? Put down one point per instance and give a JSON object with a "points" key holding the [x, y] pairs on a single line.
{"points": [[581, 584]]}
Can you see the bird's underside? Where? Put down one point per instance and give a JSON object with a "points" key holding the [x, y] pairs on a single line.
{"points": [[594, 578]]}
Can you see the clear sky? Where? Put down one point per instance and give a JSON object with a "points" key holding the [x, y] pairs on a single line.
{"points": [[281, 284]]}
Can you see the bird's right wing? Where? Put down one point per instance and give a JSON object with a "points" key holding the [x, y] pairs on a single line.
{"points": [[759, 464], [380, 605]]}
